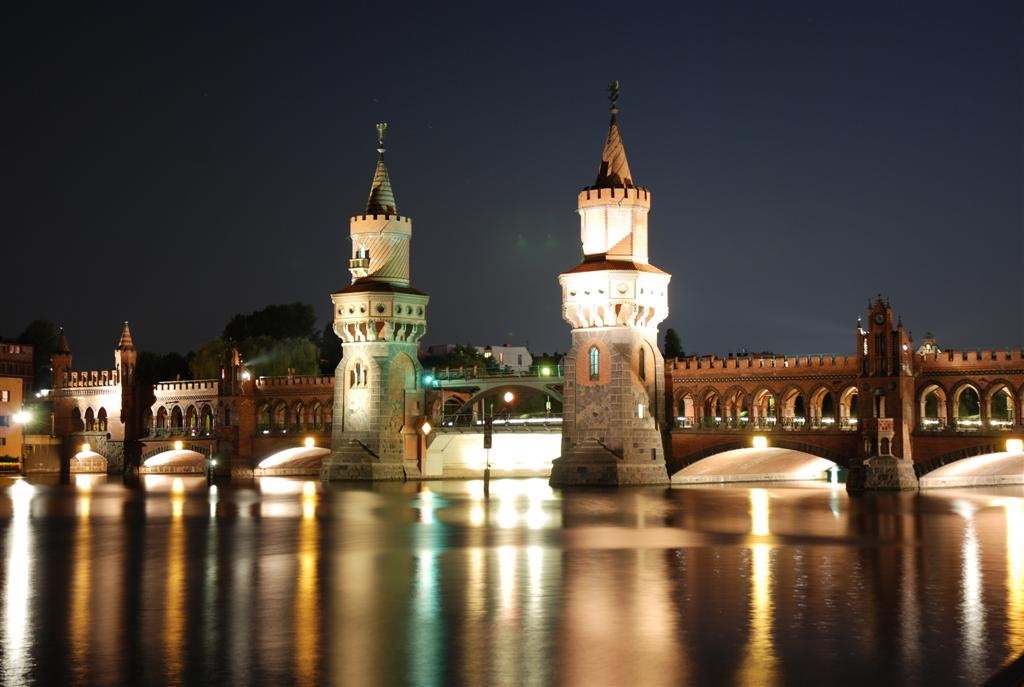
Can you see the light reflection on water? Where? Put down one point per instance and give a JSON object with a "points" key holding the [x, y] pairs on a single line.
{"points": [[289, 581]]}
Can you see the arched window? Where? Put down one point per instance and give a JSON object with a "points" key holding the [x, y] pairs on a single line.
{"points": [[595, 363], [90, 420], [642, 367], [76, 421], [101, 420]]}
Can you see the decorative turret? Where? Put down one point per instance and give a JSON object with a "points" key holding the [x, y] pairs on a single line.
{"points": [[125, 355], [380, 236], [380, 319], [60, 360], [614, 301]]}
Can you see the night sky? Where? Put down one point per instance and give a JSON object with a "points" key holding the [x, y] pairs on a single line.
{"points": [[173, 165]]}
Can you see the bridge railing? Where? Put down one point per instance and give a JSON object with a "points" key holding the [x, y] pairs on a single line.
{"points": [[468, 372], [769, 424], [166, 432], [274, 430], [502, 421], [939, 424]]}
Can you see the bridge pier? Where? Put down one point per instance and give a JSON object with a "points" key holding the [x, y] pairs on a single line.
{"points": [[882, 473]]}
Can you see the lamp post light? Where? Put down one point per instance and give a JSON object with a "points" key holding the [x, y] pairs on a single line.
{"points": [[22, 418]]}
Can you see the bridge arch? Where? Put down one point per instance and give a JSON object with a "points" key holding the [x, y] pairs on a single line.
{"points": [[932, 406], [794, 405], [684, 407], [511, 384], [737, 461], [966, 405], [736, 406], [979, 465], [1000, 404], [764, 404], [166, 458], [298, 460], [848, 404]]}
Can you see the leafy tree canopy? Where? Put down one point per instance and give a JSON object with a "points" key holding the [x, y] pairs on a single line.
{"points": [[42, 336], [151, 368], [463, 355], [264, 355], [673, 345], [291, 321]]}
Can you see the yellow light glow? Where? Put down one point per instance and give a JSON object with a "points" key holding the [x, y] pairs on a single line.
{"points": [[177, 486], [426, 428], [178, 445], [759, 518], [308, 489], [309, 442], [760, 442], [1015, 445], [86, 447], [508, 396]]}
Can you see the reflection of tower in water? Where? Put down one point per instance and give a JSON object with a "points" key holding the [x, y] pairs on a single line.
{"points": [[81, 584]]}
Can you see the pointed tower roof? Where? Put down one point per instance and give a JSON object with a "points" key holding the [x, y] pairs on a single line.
{"points": [[614, 170], [382, 197], [62, 342], [126, 342]]}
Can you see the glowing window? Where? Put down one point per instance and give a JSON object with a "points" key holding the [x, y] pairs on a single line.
{"points": [[595, 363]]}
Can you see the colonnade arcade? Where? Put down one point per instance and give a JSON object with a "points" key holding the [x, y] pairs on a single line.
{"points": [[281, 417], [968, 406], [791, 407]]}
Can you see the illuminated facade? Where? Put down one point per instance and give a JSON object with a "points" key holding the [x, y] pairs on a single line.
{"points": [[614, 393], [889, 413], [380, 319], [96, 412]]}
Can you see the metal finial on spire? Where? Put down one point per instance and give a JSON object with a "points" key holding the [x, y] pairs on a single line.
{"points": [[613, 96], [382, 131]]}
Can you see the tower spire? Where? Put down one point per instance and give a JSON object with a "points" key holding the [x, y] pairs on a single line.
{"points": [[126, 342], [614, 170], [382, 197]]}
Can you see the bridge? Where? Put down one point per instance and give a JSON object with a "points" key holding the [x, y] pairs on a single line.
{"points": [[462, 392], [957, 416]]}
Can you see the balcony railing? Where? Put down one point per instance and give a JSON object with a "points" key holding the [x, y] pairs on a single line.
{"points": [[271, 430], [939, 424], [769, 424]]}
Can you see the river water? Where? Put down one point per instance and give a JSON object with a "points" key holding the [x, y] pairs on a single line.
{"points": [[282, 581]]}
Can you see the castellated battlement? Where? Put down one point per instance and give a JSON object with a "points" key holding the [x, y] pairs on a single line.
{"points": [[395, 223], [91, 378], [595, 196], [187, 385], [840, 364], [636, 196], [1007, 359], [294, 380]]}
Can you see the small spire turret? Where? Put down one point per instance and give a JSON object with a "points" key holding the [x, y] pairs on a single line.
{"points": [[382, 196]]}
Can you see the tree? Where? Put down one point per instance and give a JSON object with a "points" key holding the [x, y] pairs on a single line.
{"points": [[207, 362], [673, 345], [151, 368], [462, 355], [291, 321], [42, 336], [330, 350]]}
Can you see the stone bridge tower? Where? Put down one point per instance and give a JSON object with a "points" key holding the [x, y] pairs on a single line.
{"points": [[380, 319], [885, 353], [614, 301]]}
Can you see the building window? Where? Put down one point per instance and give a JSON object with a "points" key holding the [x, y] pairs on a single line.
{"points": [[3, 441], [5, 421], [642, 368], [5, 396], [595, 363]]}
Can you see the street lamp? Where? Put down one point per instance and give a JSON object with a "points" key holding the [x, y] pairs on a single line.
{"points": [[22, 418]]}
